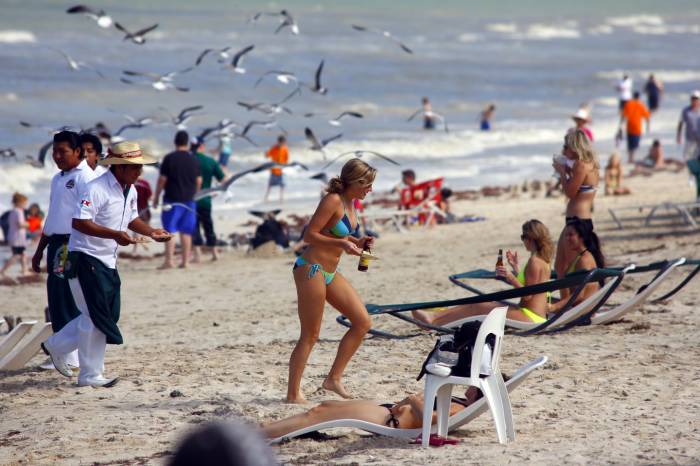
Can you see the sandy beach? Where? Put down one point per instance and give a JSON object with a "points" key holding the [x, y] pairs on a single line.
{"points": [[219, 337]]}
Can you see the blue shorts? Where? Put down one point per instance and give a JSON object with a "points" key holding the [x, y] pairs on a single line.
{"points": [[633, 141], [276, 180], [485, 125], [179, 218]]}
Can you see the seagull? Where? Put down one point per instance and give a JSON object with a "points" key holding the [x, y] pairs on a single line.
{"points": [[336, 121], [49, 129], [137, 37], [159, 82], [140, 123], [183, 117], [221, 127], [7, 153], [386, 34], [359, 154], [267, 109], [224, 187], [284, 77], [102, 19], [285, 20], [319, 144], [430, 114], [224, 57], [41, 157], [265, 124], [76, 65], [317, 87], [321, 176]]}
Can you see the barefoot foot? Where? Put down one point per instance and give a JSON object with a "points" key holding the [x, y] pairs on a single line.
{"points": [[337, 387], [297, 400]]}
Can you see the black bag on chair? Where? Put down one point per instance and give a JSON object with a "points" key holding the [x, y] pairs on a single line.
{"points": [[461, 343]]}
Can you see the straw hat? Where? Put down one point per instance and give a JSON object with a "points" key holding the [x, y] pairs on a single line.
{"points": [[126, 153], [581, 114]]}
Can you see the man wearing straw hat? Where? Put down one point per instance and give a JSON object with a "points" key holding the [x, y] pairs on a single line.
{"points": [[107, 208]]}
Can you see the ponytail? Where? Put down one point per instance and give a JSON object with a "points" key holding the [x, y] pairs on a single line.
{"points": [[335, 185]]}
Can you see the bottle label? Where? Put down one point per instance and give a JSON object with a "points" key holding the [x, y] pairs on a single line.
{"points": [[364, 261]]}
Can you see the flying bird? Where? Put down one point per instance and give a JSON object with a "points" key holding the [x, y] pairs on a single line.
{"points": [[160, 82], [224, 56], [7, 153], [180, 121], [49, 129], [386, 34], [224, 187], [102, 19], [286, 20], [138, 37], [268, 125], [76, 65], [430, 114], [285, 77], [359, 154], [319, 144], [317, 87]]}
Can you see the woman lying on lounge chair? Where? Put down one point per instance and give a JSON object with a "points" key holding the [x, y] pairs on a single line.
{"points": [[537, 270], [406, 414]]}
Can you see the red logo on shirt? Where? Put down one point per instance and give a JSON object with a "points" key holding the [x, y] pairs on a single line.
{"points": [[85, 203]]}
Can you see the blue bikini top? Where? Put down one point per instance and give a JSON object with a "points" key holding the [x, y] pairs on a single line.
{"points": [[344, 227]]}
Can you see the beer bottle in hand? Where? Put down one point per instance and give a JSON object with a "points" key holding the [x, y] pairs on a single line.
{"points": [[363, 265], [499, 263]]}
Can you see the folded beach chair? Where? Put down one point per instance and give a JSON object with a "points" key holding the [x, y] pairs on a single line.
{"points": [[26, 348], [568, 313], [454, 422], [688, 262], [683, 209]]}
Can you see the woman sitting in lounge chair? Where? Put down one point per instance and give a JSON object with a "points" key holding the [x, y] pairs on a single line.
{"points": [[532, 308], [583, 245], [406, 414]]}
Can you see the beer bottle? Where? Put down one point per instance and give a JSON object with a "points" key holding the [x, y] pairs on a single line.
{"points": [[499, 263], [363, 265]]}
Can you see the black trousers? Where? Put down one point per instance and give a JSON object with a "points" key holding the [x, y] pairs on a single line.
{"points": [[204, 222]]}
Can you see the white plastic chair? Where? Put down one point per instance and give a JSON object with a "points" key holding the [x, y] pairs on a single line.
{"points": [[11, 339], [26, 349], [492, 386]]}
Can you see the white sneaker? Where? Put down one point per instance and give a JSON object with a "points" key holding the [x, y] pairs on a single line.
{"points": [[98, 381], [47, 365], [58, 361]]}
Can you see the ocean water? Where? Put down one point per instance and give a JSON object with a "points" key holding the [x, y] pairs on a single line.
{"points": [[537, 61]]}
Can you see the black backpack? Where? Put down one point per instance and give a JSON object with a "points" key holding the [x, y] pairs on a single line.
{"points": [[462, 343]]}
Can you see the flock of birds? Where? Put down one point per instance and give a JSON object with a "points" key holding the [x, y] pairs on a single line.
{"points": [[231, 59]]}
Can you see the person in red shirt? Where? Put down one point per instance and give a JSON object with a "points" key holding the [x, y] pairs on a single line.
{"points": [[278, 153], [634, 112]]}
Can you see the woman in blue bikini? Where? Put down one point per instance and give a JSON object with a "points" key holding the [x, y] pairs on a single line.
{"points": [[317, 279]]}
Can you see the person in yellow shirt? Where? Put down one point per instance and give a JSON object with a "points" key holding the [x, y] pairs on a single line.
{"points": [[278, 153]]}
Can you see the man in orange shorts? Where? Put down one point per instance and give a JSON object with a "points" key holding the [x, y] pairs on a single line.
{"points": [[278, 153]]}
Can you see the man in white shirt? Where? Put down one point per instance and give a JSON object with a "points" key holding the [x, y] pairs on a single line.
{"points": [[107, 209], [66, 187], [624, 90]]}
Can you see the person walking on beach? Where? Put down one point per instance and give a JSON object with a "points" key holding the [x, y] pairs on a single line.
{"points": [[486, 116], [279, 153], [107, 208], [66, 187], [633, 113], [179, 180], [224, 149], [17, 235], [329, 234], [653, 89], [624, 90], [579, 179], [208, 169], [690, 120], [428, 115]]}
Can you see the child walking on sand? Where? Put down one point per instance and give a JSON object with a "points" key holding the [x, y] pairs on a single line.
{"points": [[17, 234]]}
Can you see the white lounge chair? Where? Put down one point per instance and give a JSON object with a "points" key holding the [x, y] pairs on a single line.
{"points": [[585, 306], [682, 208], [26, 349], [616, 313], [455, 422], [11, 339]]}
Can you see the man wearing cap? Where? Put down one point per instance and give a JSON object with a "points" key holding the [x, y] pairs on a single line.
{"points": [[106, 209], [690, 118], [581, 119], [66, 187]]}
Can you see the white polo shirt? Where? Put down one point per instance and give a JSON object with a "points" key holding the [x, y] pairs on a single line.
{"points": [[63, 199], [104, 203]]}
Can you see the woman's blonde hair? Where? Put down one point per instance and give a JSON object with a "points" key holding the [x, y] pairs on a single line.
{"points": [[354, 171], [578, 142], [538, 233], [614, 157]]}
